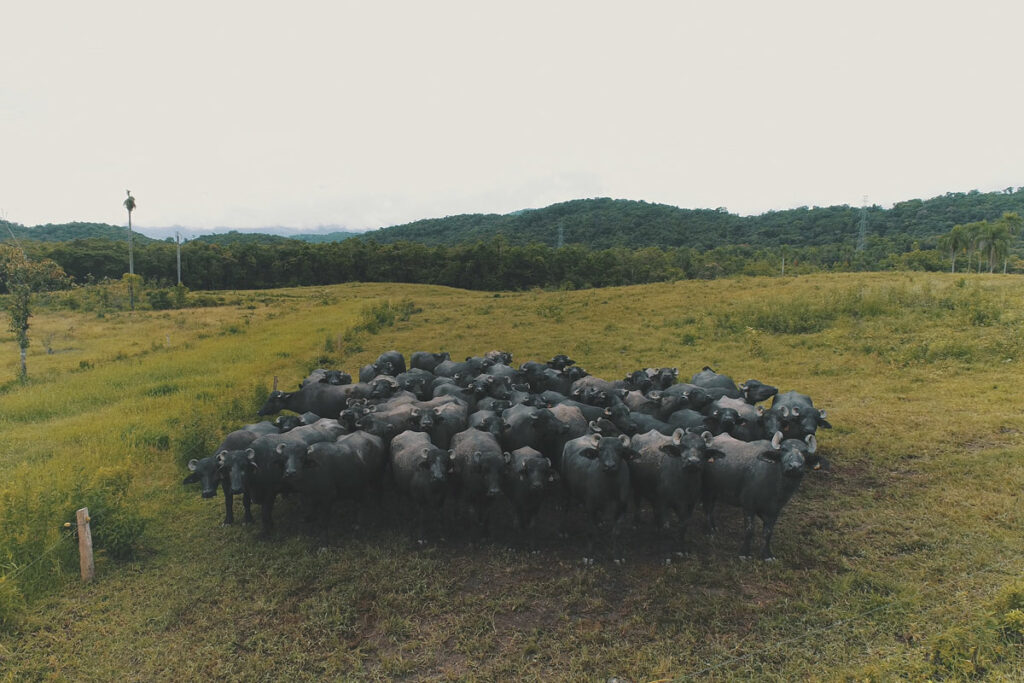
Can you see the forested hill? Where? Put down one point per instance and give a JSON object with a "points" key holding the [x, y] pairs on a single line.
{"points": [[64, 232], [606, 223]]}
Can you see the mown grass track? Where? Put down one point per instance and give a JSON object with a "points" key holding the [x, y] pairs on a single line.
{"points": [[905, 561]]}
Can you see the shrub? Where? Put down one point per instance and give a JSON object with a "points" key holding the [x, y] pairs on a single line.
{"points": [[116, 524], [159, 299]]}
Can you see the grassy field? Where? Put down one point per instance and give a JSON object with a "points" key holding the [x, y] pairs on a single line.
{"points": [[907, 560]]}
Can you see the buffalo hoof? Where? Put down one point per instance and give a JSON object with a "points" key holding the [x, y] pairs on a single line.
{"points": [[680, 553], [668, 561], [769, 559], [745, 558], [588, 562], [619, 561], [421, 542], [226, 522]]}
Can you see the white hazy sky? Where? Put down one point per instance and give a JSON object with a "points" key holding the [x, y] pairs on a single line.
{"points": [[368, 114]]}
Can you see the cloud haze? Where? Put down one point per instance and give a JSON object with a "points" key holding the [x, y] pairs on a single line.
{"points": [[247, 114]]}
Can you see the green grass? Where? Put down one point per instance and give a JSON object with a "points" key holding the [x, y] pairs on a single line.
{"points": [[906, 561]]}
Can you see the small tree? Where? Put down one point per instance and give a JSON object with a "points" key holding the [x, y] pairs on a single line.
{"points": [[22, 277]]}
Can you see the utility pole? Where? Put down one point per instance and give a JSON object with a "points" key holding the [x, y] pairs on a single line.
{"points": [[177, 238], [130, 205]]}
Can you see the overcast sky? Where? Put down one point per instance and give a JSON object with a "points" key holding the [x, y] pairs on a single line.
{"points": [[368, 114]]}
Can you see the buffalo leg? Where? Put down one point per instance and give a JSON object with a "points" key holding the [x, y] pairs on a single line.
{"points": [[267, 516], [748, 533], [229, 512], [247, 506], [766, 549]]}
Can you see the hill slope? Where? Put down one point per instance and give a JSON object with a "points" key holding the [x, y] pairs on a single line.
{"points": [[604, 223]]}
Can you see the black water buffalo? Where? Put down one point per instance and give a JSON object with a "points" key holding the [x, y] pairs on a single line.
{"points": [[760, 477], [735, 417], [755, 391], [477, 462], [325, 400], [444, 421], [350, 468], [425, 360], [487, 421], [261, 465], [210, 473], [419, 382], [327, 376], [390, 363], [420, 471], [525, 481], [463, 371], [694, 397], [390, 419], [794, 415], [667, 473], [595, 474]]}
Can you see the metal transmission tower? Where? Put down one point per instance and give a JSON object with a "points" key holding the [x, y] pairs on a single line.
{"points": [[862, 235]]}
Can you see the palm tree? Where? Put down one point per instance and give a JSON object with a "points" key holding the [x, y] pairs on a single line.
{"points": [[130, 205], [1014, 224], [955, 241], [993, 238]]}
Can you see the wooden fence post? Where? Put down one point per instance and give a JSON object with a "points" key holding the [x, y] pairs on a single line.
{"points": [[85, 545]]}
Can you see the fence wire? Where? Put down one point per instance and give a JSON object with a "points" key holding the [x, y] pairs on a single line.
{"points": [[64, 536]]}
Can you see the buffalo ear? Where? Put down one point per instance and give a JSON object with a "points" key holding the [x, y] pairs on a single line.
{"points": [[594, 426], [595, 440], [250, 456], [777, 440], [508, 457], [822, 422], [624, 439], [812, 443], [707, 437], [784, 411], [677, 436], [192, 465], [712, 453], [475, 458], [280, 449], [760, 411]]}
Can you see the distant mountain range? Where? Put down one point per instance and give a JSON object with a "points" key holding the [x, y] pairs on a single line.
{"points": [[604, 223]]}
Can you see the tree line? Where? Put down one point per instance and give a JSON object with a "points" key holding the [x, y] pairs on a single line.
{"points": [[494, 264], [990, 240]]}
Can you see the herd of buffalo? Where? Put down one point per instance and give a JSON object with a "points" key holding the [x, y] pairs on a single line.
{"points": [[476, 430]]}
